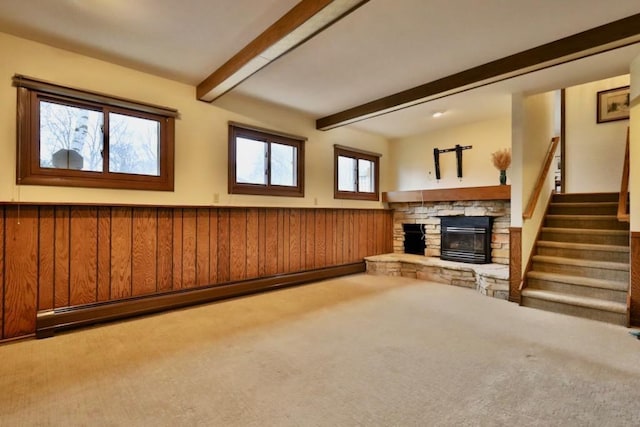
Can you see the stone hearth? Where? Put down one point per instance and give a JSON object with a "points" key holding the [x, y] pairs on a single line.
{"points": [[489, 279]]}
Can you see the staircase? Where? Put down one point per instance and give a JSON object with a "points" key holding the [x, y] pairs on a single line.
{"points": [[580, 265]]}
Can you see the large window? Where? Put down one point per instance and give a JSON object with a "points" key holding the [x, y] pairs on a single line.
{"points": [[75, 138], [265, 163], [356, 174]]}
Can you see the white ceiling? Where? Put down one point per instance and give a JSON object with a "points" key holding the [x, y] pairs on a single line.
{"points": [[381, 48]]}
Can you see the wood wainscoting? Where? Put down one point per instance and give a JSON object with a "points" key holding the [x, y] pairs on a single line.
{"points": [[515, 263], [62, 256]]}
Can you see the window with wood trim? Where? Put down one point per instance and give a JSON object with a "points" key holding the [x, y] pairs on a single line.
{"points": [[70, 137], [356, 174], [266, 163]]}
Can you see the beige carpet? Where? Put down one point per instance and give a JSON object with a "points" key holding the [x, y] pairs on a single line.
{"points": [[358, 351]]}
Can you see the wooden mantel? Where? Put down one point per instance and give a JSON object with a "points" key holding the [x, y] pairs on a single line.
{"points": [[492, 192]]}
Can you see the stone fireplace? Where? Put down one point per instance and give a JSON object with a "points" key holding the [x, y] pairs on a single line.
{"points": [[430, 214], [427, 211]]}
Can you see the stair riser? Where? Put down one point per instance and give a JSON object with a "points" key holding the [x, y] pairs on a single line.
{"points": [[600, 239], [594, 255], [599, 224], [585, 198], [583, 210], [571, 289], [589, 313], [582, 271]]}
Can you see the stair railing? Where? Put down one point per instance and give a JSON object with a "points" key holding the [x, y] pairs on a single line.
{"points": [[535, 195], [623, 208]]}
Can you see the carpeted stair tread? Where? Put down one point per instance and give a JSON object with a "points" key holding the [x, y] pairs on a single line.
{"points": [[583, 246], [585, 197], [579, 281], [575, 300], [584, 217], [600, 222], [606, 265], [583, 208], [581, 204], [604, 232]]}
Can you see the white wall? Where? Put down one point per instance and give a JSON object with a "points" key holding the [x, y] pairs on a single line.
{"points": [[594, 151], [413, 165], [534, 124], [201, 134]]}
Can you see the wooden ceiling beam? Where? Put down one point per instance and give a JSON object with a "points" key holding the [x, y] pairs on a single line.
{"points": [[255, 56], [610, 36]]}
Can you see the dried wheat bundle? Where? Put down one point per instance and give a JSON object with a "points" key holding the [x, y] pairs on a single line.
{"points": [[501, 159]]}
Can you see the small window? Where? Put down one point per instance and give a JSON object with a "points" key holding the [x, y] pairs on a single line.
{"points": [[265, 163], [356, 174], [75, 138]]}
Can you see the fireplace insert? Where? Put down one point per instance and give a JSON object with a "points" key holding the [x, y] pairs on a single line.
{"points": [[466, 239]]}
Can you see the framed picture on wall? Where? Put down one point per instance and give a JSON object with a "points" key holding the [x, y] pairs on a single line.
{"points": [[613, 104]]}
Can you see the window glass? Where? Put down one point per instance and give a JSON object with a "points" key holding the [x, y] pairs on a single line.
{"points": [[365, 176], [70, 137], [346, 173], [283, 165], [134, 145], [250, 161]]}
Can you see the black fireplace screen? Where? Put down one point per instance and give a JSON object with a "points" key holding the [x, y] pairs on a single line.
{"points": [[466, 239], [413, 239]]}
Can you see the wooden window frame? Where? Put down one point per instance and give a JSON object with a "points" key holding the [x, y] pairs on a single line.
{"points": [[338, 151], [238, 130], [32, 92]]}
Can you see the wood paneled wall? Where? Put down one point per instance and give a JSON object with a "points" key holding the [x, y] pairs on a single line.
{"points": [[515, 263], [61, 256]]}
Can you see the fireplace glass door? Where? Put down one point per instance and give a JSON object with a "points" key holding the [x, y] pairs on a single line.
{"points": [[466, 239]]}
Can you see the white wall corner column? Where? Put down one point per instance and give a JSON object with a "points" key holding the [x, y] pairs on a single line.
{"points": [[634, 144], [538, 125], [634, 185], [517, 142]]}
